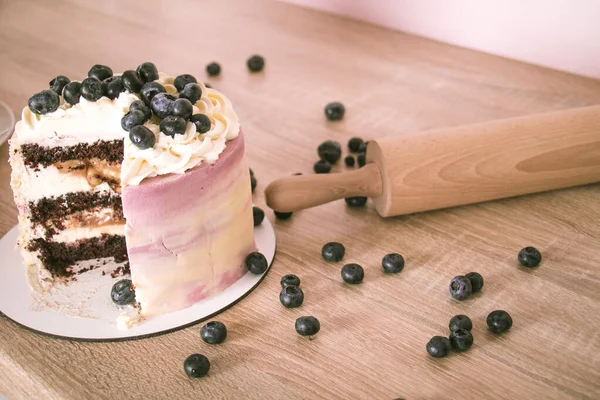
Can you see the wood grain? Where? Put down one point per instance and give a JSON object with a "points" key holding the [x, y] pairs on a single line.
{"points": [[373, 336]]}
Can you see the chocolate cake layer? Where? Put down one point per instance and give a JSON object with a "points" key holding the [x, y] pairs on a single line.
{"points": [[58, 257], [35, 155]]}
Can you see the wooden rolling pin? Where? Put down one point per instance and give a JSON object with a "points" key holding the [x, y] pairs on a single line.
{"points": [[449, 167]]}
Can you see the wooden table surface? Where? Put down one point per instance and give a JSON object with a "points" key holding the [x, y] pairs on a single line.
{"points": [[373, 336]]}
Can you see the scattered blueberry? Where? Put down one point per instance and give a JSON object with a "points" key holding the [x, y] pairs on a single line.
{"points": [[142, 137], [461, 339], [460, 287], [100, 72], [58, 84], [151, 89], [192, 92], [132, 81], [330, 151], [122, 292], [131, 119], [335, 111], [202, 122], [91, 89], [392, 263], [361, 160], [253, 183], [213, 69], [141, 106], [196, 366], [322, 167], [353, 273], [282, 215], [476, 281], [307, 326], [333, 251], [349, 161], [530, 257], [214, 332], [255, 63], [354, 144], [162, 104], [256, 263], [72, 92], [113, 87], [182, 108], [438, 346], [363, 147], [289, 280], [183, 80], [499, 321], [460, 322], [251, 172], [258, 215], [44, 102], [173, 125], [147, 72], [357, 201], [291, 296]]}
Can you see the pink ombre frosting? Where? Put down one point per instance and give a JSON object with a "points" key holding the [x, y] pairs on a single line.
{"points": [[188, 235]]}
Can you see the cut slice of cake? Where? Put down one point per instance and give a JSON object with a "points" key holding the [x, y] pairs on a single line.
{"points": [[141, 171]]}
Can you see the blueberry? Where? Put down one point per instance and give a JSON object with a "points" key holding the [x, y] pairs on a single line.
{"points": [[258, 215], [183, 80], [363, 147], [173, 125], [322, 167], [122, 292], [256, 263], [213, 69], [141, 106], [461, 339], [291, 296], [131, 119], [162, 104], [251, 172], [357, 201], [100, 72], [354, 144], [151, 89], [253, 183], [353, 273], [361, 160], [499, 321], [255, 63], [44, 102], [202, 122], [196, 366], [58, 84], [282, 215], [182, 108], [92, 89], [349, 161], [392, 263], [147, 72], [132, 81], [460, 322], [335, 111], [192, 92], [438, 346], [530, 257], [307, 326], [330, 151], [72, 92], [142, 137], [289, 280], [476, 281], [333, 251], [113, 87], [214, 332], [460, 287]]}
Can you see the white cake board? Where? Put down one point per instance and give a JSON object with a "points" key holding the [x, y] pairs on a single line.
{"points": [[20, 304]]}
